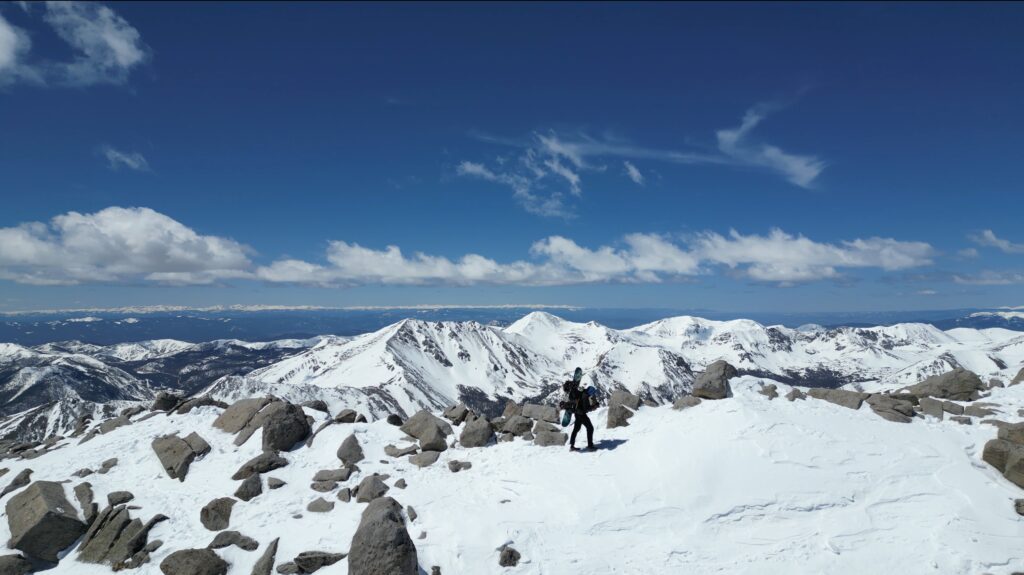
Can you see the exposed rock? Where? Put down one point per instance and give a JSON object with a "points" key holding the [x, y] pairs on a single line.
{"points": [[795, 394], [83, 472], [457, 413], [205, 401], [1018, 378], [345, 495], [323, 486], [394, 419], [959, 384], [995, 382], [1013, 433], [1018, 506], [505, 437], [334, 474], [275, 483], [961, 419], [850, 399], [685, 402], [350, 452], [239, 414], [518, 425], [20, 480], [177, 454], [978, 411], [550, 438], [411, 513], [42, 522], [932, 407], [262, 463], [618, 416], [193, 562], [316, 405], [457, 466], [381, 543], [165, 401], [539, 412], [113, 423], [85, 497], [370, 488], [116, 539], [544, 426], [1015, 466], [265, 563], [433, 438], [897, 410], [311, 561], [392, 451], [770, 391], [952, 408], [509, 557], [251, 487], [401, 484], [512, 409], [424, 459], [346, 416], [422, 422], [228, 538], [283, 426], [997, 453], [216, 515], [288, 568], [623, 397], [112, 462], [714, 382], [15, 565], [320, 505], [119, 497]]}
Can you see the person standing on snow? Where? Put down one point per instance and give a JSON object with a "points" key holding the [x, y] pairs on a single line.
{"points": [[578, 403]]}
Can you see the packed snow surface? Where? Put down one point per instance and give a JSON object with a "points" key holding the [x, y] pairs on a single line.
{"points": [[741, 485]]}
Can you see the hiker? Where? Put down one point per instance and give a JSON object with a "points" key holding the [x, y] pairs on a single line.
{"points": [[578, 402]]}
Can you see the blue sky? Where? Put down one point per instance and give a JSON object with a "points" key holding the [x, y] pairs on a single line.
{"points": [[802, 157]]}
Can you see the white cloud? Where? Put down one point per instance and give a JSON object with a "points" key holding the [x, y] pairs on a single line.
{"points": [[927, 292], [633, 173], [131, 160], [968, 253], [117, 245], [798, 170], [106, 48], [569, 158], [991, 278], [988, 238]]}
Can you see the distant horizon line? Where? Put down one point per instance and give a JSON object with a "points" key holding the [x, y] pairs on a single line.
{"points": [[255, 308]]}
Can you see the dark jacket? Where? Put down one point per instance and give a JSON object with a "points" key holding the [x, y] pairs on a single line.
{"points": [[577, 401]]}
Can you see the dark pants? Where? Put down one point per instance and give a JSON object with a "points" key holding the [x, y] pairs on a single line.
{"points": [[582, 421]]}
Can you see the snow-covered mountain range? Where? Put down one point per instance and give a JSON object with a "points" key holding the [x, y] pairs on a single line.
{"points": [[414, 364]]}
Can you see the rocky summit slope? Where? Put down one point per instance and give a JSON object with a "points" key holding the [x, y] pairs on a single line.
{"points": [[747, 475]]}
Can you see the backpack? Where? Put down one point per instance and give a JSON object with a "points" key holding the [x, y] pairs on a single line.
{"points": [[592, 398]]}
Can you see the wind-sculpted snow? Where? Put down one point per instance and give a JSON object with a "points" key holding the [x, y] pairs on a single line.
{"points": [[741, 485]]}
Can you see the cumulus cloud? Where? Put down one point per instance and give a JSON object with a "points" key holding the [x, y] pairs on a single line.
{"points": [[117, 159], [778, 258], [633, 173], [988, 238], [117, 245], [549, 158], [106, 47]]}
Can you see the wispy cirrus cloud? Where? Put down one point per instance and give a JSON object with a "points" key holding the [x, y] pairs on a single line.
{"points": [[990, 278], [116, 159], [549, 158], [988, 238], [106, 48]]}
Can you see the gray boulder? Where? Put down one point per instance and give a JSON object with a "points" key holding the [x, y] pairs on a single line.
{"points": [[251, 487], [433, 438], [216, 515], [512, 408], [1018, 378], [685, 402], [345, 495], [1014, 433], [275, 483], [370, 488], [316, 405], [714, 382], [770, 391], [262, 463], [265, 563], [424, 459], [932, 407], [20, 480], [42, 521], [795, 394], [204, 401], [618, 416], [457, 413], [346, 416], [897, 410], [508, 557], [381, 543], [85, 497], [312, 561], [119, 497], [323, 486], [422, 422], [518, 425], [544, 426], [239, 414], [165, 401], [541, 412], [284, 427], [114, 423], [229, 538], [392, 451], [848, 399], [977, 410], [350, 452], [394, 419], [176, 454], [320, 505], [334, 474], [476, 433], [457, 466], [959, 385], [952, 408], [193, 562], [623, 397], [550, 438], [15, 565], [997, 453]]}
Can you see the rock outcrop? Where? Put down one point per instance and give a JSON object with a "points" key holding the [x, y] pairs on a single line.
{"points": [[714, 382], [42, 521], [958, 385], [176, 454], [381, 543]]}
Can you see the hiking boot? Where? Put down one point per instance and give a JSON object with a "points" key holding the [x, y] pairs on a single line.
{"points": [[591, 448], [573, 448]]}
